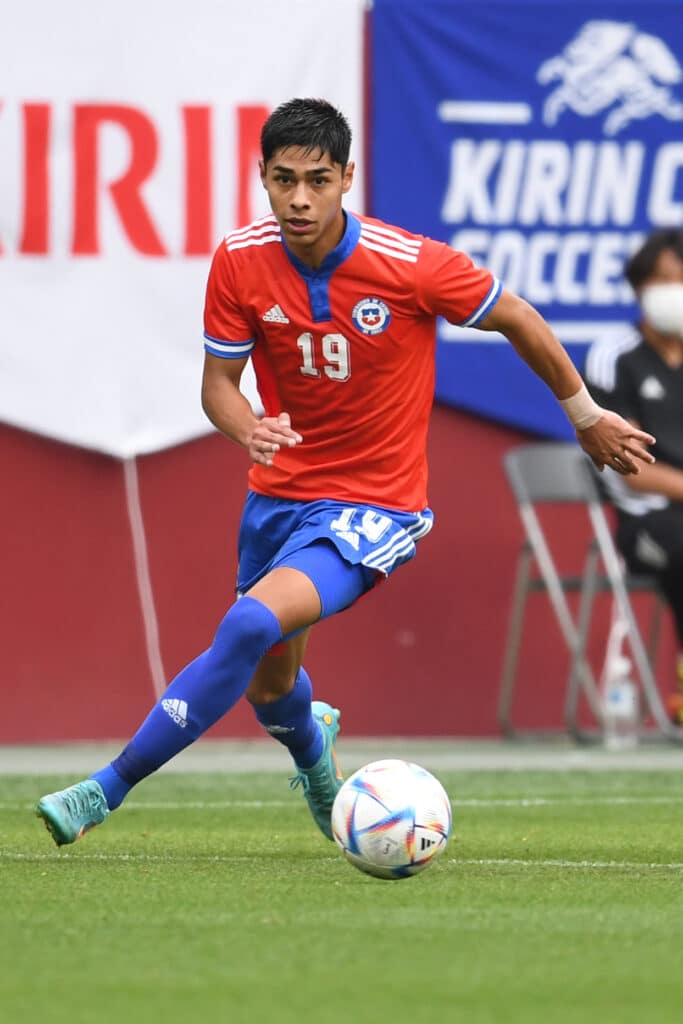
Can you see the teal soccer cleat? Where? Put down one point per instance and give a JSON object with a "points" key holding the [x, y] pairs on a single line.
{"points": [[322, 782], [70, 813]]}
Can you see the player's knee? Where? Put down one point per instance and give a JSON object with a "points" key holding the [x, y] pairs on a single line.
{"points": [[248, 623]]}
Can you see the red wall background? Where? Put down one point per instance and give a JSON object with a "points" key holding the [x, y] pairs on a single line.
{"points": [[420, 656]]}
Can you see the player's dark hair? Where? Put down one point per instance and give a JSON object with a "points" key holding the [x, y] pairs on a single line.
{"points": [[642, 264], [314, 125]]}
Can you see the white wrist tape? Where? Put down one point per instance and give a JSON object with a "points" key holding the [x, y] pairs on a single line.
{"points": [[581, 410]]}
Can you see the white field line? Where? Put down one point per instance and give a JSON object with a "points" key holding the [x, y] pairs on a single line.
{"points": [[604, 865], [551, 801], [502, 862], [180, 805], [132, 858], [522, 802]]}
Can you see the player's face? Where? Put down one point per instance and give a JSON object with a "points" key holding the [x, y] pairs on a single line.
{"points": [[305, 191]]}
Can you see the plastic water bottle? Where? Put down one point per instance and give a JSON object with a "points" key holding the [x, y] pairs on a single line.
{"points": [[621, 707]]}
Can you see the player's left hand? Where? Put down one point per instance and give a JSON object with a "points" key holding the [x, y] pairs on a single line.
{"points": [[616, 443]]}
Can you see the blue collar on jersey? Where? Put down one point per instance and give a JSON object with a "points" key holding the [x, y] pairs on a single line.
{"points": [[318, 280]]}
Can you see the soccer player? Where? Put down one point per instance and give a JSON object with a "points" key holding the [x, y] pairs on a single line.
{"points": [[338, 313]]}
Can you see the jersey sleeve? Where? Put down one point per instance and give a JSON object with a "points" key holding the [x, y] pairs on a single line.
{"points": [[450, 285], [227, 333]]}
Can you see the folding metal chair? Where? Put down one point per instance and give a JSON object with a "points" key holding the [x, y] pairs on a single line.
{"points": [[560, 473]]}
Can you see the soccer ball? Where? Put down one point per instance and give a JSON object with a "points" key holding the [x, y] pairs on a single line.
{"points": [[391, 819]]}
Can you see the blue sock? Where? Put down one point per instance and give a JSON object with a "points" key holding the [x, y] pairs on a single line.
{"points": [[115, 788], [197, 697], [290, 721]]}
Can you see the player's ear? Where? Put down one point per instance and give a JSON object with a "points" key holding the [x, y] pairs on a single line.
{"points": [[347, 177], [262, 172]]}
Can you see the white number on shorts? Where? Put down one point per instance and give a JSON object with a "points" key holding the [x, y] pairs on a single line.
{"points": [[335, 353], [373, 525]]}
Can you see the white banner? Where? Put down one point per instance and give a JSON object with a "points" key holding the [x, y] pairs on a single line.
{"points": [[129, 140]]}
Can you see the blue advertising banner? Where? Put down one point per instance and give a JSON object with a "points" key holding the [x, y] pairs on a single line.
{"points": [[545, 139]]}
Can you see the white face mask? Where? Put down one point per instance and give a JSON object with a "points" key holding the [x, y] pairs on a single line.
{"points": [[662, 305]]}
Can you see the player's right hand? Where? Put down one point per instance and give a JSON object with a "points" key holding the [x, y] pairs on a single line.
{"points": [[269, 435]]}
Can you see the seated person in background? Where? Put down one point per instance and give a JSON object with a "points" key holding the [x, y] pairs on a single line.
{"points": [[641, 377]]}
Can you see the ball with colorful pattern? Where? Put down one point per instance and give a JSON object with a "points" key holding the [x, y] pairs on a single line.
{"points": [[392, 819]]}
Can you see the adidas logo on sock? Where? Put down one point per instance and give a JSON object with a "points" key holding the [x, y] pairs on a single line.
{"points": [[278, 730], [275, 315], [177, 710]]}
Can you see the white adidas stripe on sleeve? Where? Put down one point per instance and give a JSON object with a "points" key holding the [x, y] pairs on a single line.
{"points": [[396, 254]]}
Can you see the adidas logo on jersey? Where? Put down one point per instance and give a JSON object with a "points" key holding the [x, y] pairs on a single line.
{"points": [[177, 710], [275, 315]]}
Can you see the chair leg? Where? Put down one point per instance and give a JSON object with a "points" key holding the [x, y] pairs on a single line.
{"points": [[653, 645], [592, 693], [625, 609], [655, 629], [513, 641], [557, 596]]}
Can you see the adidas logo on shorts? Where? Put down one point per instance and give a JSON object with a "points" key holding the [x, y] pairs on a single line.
{"points": [[177, 710]]}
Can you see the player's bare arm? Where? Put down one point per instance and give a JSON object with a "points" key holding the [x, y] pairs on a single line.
{"points": [[231, 413], [608, 438]]}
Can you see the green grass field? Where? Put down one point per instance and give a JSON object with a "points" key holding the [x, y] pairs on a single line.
{"points": [[213, 898]]}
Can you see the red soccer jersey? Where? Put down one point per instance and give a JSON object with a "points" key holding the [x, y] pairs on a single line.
{"points": [[347, 350]]}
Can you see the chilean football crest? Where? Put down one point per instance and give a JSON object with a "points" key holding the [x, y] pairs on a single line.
{"points": [[371, 316]]}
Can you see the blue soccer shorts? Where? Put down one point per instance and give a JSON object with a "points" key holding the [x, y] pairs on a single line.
{"points": [[344, 549]]}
